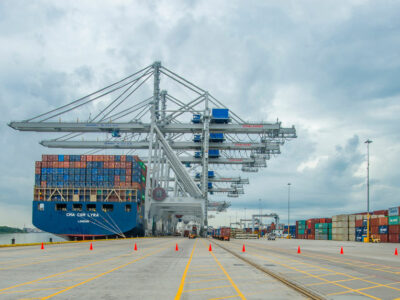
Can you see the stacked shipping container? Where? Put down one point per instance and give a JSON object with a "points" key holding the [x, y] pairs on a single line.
{"points": [[90, 171], [89, 178], [340, 228], [394, 225], [384, 226]]}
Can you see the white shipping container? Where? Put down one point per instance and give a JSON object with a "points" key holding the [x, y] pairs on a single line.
{"points": [[352, 218], [340, 237], [352, 224], [352, 238], [340, 224], [340, 218], [340, 231]]}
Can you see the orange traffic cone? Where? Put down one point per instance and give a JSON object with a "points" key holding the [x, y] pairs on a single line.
{"points": [[135, 247], [209, 248], [91, 246], [42, 248], [244, 248], [341, 250], [298, 250], [176, 247], [395, 252]]}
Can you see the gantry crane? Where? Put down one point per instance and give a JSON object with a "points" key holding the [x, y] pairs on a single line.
{"points": [[170, 129]]}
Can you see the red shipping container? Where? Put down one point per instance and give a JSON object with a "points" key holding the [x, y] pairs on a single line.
{"points": [[123, 158], [123, 165], [384, 238], [37, 170], [89, 157], [374, 230], [66, 158], [374, 222], [393, 238], [43, 183], [394, 229], [83, 165], [117, 165], [359, 223], [382, 221], [45, 157], [129, 165], [128, 178], [310, 237], [381, 212], [116, 178], [128, 171], [112, 165], [38, 164]]}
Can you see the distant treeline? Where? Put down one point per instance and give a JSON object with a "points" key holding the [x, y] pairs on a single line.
{"points": [[6, 229]]}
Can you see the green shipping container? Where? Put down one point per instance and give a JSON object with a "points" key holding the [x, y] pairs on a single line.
{"points": [[394, 220], [302, 227], [301, 222], [301, 231], [329, 225]]}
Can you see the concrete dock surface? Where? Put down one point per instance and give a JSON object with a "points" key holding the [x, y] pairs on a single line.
{"points": [[114, 270]]}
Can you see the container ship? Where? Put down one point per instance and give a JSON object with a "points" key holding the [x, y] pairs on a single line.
{"points": [[89, 196]]}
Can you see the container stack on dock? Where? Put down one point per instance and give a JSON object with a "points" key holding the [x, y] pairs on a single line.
{"points": [[361, 227], [352, 228], [394, 225], [340, 228], [384, 226], [323, 229], [301, 229]]}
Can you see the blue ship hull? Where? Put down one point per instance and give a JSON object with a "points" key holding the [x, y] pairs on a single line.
{"points": [[87, 223]]}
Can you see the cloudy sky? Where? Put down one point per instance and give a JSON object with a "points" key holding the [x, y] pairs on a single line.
{"points": [[331, 68]]}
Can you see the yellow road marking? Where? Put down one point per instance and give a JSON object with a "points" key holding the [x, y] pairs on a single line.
{"points": [[315, 276], [229, 278], [31, 290], [51, 260], [341, 280], [226, 297], [329, 270], [64, 272], [180, 290], [207, 288], [102, 274], [206, 280], [337, 260]]}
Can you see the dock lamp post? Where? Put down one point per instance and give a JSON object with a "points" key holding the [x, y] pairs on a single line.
{"points": [[368, 142], [288, 211]]}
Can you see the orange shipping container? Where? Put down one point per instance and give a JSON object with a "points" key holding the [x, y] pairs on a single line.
{"points": [[38, 164], [66, 158], [117, 165], [89, 158], [128, 171], [128, 165], [37, 170], [43, 184], [112, 165], [123, 165], [123, 158], [83, 164]]}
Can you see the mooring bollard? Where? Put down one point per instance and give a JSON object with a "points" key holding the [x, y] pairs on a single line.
{"points": [[13, 241]]}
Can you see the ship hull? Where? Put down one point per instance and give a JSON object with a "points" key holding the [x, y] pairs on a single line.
{"points": [[92, 220]]}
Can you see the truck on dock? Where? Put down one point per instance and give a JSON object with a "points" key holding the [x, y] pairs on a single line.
{"points": [[222, 233]]}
